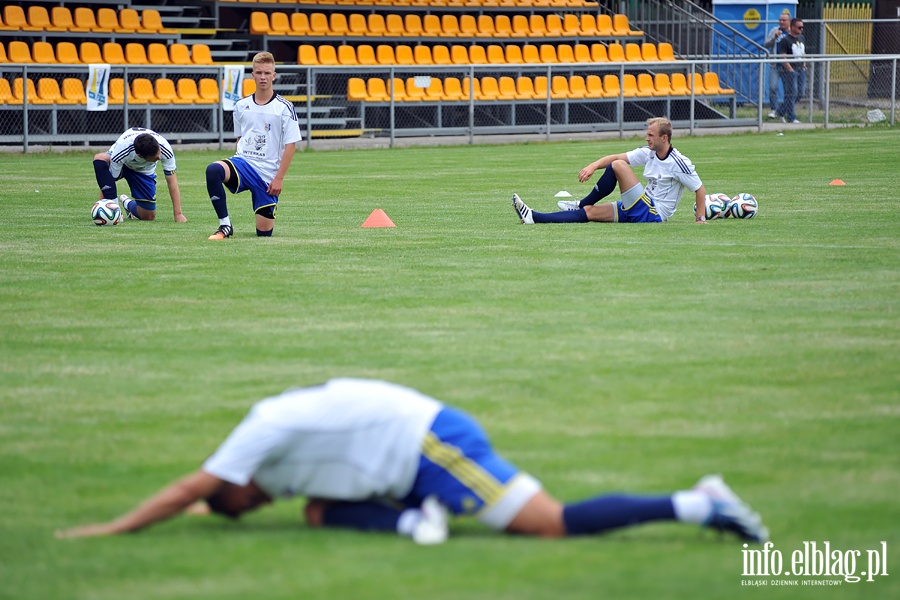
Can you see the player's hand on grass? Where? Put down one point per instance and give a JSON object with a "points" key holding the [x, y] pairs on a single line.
{"points": [[180, 218], [93, 530]]}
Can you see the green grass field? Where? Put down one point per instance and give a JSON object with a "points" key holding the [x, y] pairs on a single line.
{"points": [[600, 358]]}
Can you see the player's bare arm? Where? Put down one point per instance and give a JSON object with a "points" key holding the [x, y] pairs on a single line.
{"points": [[701, 204], [600, 163], [170, 501], [286, 157], [175, 194]]}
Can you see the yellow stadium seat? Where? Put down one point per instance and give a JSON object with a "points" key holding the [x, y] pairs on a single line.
{"points": [[318, 24], [248, 87], [164, 90], [152, 22], [14, 17], [385, 55], [582, 53], [520, 27], [514, 55], [471, 88], [435, 90], [398, 89], [422, 55], [699, 89], [327, 55], [67, 53], [42, 53], [84, 19], [73, 89], [19, 90], [186, 89], [477, 55], [393, 25], [571, 25], [135, 54], [412, 25], [431, 26], [502, 26], [588, 25], [357, 25], [259, 23], [611, 86], [201, 55], [713, 86], [507, 88], [404, 55], [306, 55], [662, 85], [554, 25], [356, 90], [604, 26], [633, 53], [594, 87], [679, 85], [376, 90], [531, 55], [453, 91], [48, 90], [548, 53], [440, 54], [648, 52], [559, 87], [337, 24], [525, 88], [6, 95], [616, 53], [449, 26], [490, 89], [90, 53], [577, 87], [209, 90], [180, 54], [39, 19], [157, 54], [565, 53], [117, 90], [621, 27], [280, 24], [414, 93], [537, 25], [665, 52], [376, 25], [19, 52], [61, 18], [598, 53], [468, 26], [299, 23], [459, 55], [495, 55], [107, 19], [130, 21], [541, 89], [142, 88], [365, 55], [644, 84], [113, 53], [346, 55], [3, 57]]}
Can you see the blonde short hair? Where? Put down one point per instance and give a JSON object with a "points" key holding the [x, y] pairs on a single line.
{"points": [[663, 126], [264, 57]]}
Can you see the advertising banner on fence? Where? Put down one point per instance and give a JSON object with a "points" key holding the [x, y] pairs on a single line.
{"points": [[232, 86], [97, 87]]}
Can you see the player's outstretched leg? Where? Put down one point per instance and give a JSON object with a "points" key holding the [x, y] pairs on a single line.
{"points": [[216, 176]]}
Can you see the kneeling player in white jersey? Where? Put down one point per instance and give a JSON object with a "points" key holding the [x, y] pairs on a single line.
{"points": [[373, 455], [668, 174], [268, 132], [133, 157]]}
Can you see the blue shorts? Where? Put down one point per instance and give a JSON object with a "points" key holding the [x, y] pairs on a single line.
{"points": [[248, 179], [143, 187], [460, 467], [636, 207]]}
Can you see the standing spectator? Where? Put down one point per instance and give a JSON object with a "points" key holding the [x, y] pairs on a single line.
{"points": [[268, 132], [793, 73], [771, 44]]}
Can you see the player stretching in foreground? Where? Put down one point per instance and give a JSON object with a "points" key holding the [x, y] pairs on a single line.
{"points": [[668, 174], [373, 455], [133, 157], [267, 130]]}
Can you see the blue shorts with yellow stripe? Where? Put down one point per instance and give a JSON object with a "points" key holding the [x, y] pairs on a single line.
{"points": [[636, 207], [459, 466]]}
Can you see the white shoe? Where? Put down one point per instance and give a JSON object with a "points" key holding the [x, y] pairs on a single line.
{"points": [[782, 120], [772, 115], [730, 513], [432, 528], [127, 213], [522, 210], [795, 122], [568, 205]]}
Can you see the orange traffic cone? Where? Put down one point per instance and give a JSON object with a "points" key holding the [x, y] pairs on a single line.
{"points": [[837, 182], [378, 218]]}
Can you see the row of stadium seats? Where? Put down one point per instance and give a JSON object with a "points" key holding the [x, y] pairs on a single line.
{"points": [[452, 89], [439, 3], [83, 20], [142, 91], [112, 53], [512, 54], [448, 25]]}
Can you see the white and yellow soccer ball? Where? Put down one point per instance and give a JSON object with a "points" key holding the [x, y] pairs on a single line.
{"points": [[106, 212], [715, 206], [742, 206]]}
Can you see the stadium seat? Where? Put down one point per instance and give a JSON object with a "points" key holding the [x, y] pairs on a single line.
{"points": [[142, 89], [414, 93], [520, 27], [459, 55], [541, 89], [648, 52], [113, 53], [337, 24], [135, 54], [662, 84], [598, 53], [346, 55], [471, 88], [376, 89], [19, 52], [594, 86], [130, 20], [604, 26], [6, 95], [588, 26], [571, 26], [665, 52], [186, 88], [582, 53], [280, 24], [3, 57], [449, 26], [357, 25], [318, 24], [152, 22], [356, 90], [385, 55], [306, 55], [14, 17], [327, 55], [679, 85], [507, 89], [477, 55], [61, 20], [548, 53], [201, 55], [42, 53], [376, 25], [435, 90], [398, 89], [484, 27], [559, 87], [248, 87], [209, 90], [117, 92], [48, 90], [616, 53], [299, 23], [73, 89], [537, 25], [698, 85], [67, 53], [502, 26], [90, 53], [393, 26], [577, 87], [621, 26], [468, 26], [713, 86], [495, 55], [643, 85], [85, 20], [431, 26], [412, 25], [164, 90], [453, 91], [525, 88], [611, 86], [180, 54], [108, 20], [633, 53], [39, 19], [490, 89], [157, 54], [33, 98], [565, 53], [422, 55], [514, 55], [554, 25], [365, 55], [440, 54], [259, 23], [531, 55], [404, 55]]}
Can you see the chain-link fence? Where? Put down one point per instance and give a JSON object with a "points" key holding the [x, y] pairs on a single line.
{"points": [[183, 104]]}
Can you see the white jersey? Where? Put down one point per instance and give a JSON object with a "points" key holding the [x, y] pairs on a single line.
{"points": [[122, 154], [349, 439], [264, 130], [666, 178]]}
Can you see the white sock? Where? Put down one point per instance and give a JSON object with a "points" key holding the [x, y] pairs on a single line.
{"points": [[408, 520], [692, 506], [225, 221]]}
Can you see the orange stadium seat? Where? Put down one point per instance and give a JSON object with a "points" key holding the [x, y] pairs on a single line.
{"points": [[594, 86], [357, 26], [376, 25], [180, 54], [621, 26], [507, 88], [554, 25], [414, 93], [6, 95], [365, 55], [327, 55], [648, 52], [39, 19], [477, 55], [525, 88], [280, 24], [514, 55], [152, 22], [582, 53], [422, 55], [502, 26], [14, 17], [129, 19], [548, 53], [48, 90], [393, 26], [598, 53], [662, 84], [108, 20], [440, 54], [468, 26], [19, 52], [453, 91], [604, 26], [73, 89], [665, 52], [356, 90], [113, 53], [201, 55], [435, 90], [259, 23], [385, 55], [449, 26], [19, 90], [186, 89], [157, 54], [633, 53], [90, 53], [611, 86], [412, 25], [530, 54], [318, 24], [404, 55], [209, 90], [616, 53], [565, 53], [577, 87], [135, 54], [67, 53], [61, 17], [42, 52], [299, 23], [495, 55], [376, 90], [337, 24], [164, 90], [679, 85]]}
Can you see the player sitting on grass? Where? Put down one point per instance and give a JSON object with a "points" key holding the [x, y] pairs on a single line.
{"points": [[133, 157], [373, 455], [268, 132], [668, 174]]}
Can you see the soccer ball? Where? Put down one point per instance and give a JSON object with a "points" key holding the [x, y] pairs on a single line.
{"points": [[106, 212], [742, 206], [715, 206]]}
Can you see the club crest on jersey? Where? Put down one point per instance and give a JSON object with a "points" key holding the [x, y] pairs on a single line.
{"points": [[259, 141]]}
